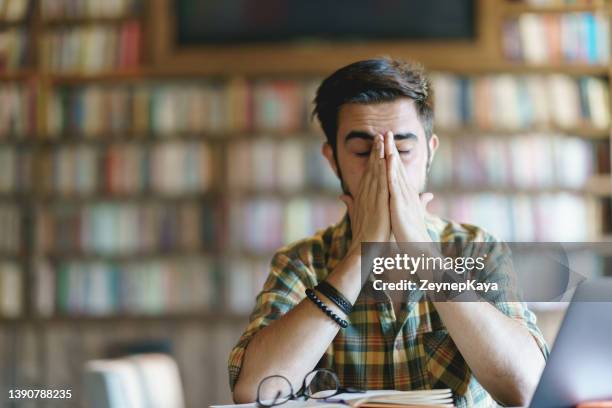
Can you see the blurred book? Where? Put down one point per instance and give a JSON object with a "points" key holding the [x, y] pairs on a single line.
{"points": [[288, 165], [11, 289], [186, 285], [11, 227], [91, 49], [521, 102], [215, 107], [557, 38], [262, 225], [525, 161], [525, 217], [58, 9], [18, 118], [129, 228], [13, 50], [13, 10]]}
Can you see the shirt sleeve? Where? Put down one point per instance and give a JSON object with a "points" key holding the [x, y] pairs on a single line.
{"points": [[284, 288], [509, 300]]}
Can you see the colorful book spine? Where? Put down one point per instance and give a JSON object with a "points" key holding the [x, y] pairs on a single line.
{"points": [[11, 227], [506, 102], [529, 161], [129, 229], [579, 38], [14, 10], [18, 119], [61, 9], [287, 165], [560, 217], [13, 50], [165, 168], [262, 225], [187, 285], [11, 290], [92, 49], [195, 107]]}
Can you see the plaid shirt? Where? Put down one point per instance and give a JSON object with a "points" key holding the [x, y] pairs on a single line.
{"points": [[377, 351]]}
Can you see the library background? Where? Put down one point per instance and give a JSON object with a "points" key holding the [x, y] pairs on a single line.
{"points": [[148, 170]]}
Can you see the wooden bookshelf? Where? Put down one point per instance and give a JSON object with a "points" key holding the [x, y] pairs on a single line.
{"points": [[162, 62]]}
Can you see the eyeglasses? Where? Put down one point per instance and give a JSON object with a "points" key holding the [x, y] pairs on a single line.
{"points": [[318, 384]]}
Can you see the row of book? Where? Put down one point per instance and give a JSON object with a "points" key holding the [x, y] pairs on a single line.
{"points": [[13, 49], [145, 287], [560, 217], [262, 225], [489, 102], [10, 225], [129, 228], [58, 9], [533, 160], [186, 285], [18, 117], [15, 170], [255, 225], [92, 49], [512, 102], [183, 106], [558, 38], [168, 167], [178, 168], [11, 289], [165, 168], [13, 10], [284, 165]]}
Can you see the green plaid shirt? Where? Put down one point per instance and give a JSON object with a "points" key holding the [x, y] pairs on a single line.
{"points": [[376, 350]]}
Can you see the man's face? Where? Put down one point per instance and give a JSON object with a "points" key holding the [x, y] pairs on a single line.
{"points": [[359, 123]]}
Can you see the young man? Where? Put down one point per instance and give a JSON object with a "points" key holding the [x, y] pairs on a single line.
{"points": [[378, 120]]}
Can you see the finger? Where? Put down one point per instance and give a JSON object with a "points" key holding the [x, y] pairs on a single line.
{"points": [[389, 144], [376, 153], [380, 167]]}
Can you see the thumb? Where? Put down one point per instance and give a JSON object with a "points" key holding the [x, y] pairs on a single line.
{"points": [[426, 199]]}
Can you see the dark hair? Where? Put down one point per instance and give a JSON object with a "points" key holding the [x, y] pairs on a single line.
{"points": [[373, 81]]}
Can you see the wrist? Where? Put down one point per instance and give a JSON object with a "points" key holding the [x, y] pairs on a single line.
{"points": [[346, 276]]}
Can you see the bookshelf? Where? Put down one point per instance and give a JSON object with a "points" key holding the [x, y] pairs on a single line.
{"points": [[80, 118]]}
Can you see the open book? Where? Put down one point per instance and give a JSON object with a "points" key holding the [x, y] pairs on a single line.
{"points": [[442, 398]]}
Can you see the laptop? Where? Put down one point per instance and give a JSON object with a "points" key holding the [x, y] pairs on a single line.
{"points": [[579, 368]]}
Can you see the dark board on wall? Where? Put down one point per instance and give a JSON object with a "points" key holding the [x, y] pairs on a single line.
{"points": [[202, 22]]}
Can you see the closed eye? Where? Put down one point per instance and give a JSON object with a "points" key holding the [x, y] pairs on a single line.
{"points": [[364, 154]]}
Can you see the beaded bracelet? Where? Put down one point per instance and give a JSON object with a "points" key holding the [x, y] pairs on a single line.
{"points": [[315, 299], [335, 296]]}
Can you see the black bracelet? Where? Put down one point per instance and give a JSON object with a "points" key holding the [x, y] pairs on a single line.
{"points": [[315, 299], [335, 296]]}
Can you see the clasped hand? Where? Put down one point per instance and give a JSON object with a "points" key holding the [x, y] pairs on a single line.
{"points": [[387, 205]]}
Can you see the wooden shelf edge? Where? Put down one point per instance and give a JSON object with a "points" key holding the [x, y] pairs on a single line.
{"points": [[520, 7]]}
